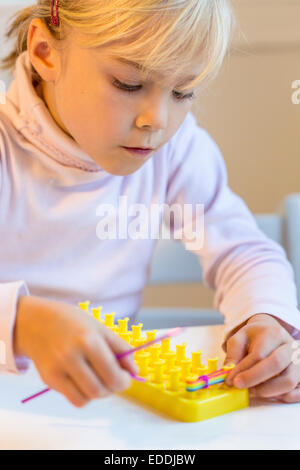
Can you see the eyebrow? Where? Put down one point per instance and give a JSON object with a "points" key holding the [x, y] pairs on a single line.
{"points": [[139, 67], [128, 62]]}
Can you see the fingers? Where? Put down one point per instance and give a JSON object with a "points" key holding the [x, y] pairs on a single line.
{"points": [[62, 383], [260, 347], [86, 380], [237, 347], [291, 397], [286, 382], [103, 361], [263, 369], [118, 346]]}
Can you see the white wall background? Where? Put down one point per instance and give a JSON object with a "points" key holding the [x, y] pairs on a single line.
{"points": [[16, 2]]}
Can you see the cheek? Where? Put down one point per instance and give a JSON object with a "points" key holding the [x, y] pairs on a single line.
{"points": [[92, 112]]}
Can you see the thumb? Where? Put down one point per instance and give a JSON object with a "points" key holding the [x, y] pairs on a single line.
{"points": [[236, 350]]}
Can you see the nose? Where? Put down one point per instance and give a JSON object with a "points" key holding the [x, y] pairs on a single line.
{"points": [[155, 116]]}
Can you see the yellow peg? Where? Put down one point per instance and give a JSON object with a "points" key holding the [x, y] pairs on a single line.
{"points": [[123, 324], [157, 374], [180, 353], [165, 346], [126, 336], [84, 305], [169, 358], [174, 380], [229, 367], [115, 329], [136, 331], [186, 365], [212, 364], [136, 354], [196, 361], [154, 353], [109, 319], [191, 395], [96, 312], [150, 335], [143, 363], [137, 343], [203, 370]]}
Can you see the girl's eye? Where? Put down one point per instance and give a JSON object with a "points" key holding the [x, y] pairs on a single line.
{"points": [[131, 89]]}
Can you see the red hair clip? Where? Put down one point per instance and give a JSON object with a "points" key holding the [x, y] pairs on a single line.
{"points": [[54, 19]]}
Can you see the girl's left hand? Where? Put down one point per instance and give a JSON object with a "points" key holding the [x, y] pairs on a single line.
{"points": [[264, 353]]}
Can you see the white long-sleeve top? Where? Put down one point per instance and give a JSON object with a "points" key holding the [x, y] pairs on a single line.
{"points": [[50, 195]]}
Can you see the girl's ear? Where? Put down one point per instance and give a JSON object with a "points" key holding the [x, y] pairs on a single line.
{"points": [[44, 57]]}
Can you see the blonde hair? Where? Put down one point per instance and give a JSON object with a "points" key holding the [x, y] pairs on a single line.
{"points": [[161, 35]]}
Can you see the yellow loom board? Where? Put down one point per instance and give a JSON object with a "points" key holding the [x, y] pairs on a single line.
{"points": [[166, 373]]}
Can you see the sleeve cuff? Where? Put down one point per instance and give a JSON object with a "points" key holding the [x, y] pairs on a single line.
{"points": [[290, 316], [9, 293]]}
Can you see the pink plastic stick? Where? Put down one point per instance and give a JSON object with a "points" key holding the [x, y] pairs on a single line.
{"points": [[35, 395], [173, 332], [135, 377]]}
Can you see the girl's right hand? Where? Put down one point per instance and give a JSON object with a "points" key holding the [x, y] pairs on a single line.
{"points": [[73, 353]]}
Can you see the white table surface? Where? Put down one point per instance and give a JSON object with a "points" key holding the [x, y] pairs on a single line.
{"points": [[51, 422]]}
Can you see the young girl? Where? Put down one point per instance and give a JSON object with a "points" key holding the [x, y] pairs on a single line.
{"points": [[92, 79]]}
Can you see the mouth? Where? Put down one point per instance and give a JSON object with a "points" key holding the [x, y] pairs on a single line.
{"points": [[141, 152], [139, 148]]}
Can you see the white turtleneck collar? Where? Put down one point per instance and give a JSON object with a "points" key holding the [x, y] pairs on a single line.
{"points": [[30, 116]]}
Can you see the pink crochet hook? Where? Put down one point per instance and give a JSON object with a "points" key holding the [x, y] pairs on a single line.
{"points": [[173, 332]]}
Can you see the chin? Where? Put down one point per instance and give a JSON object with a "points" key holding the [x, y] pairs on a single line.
{"points": [[121, 170]]}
